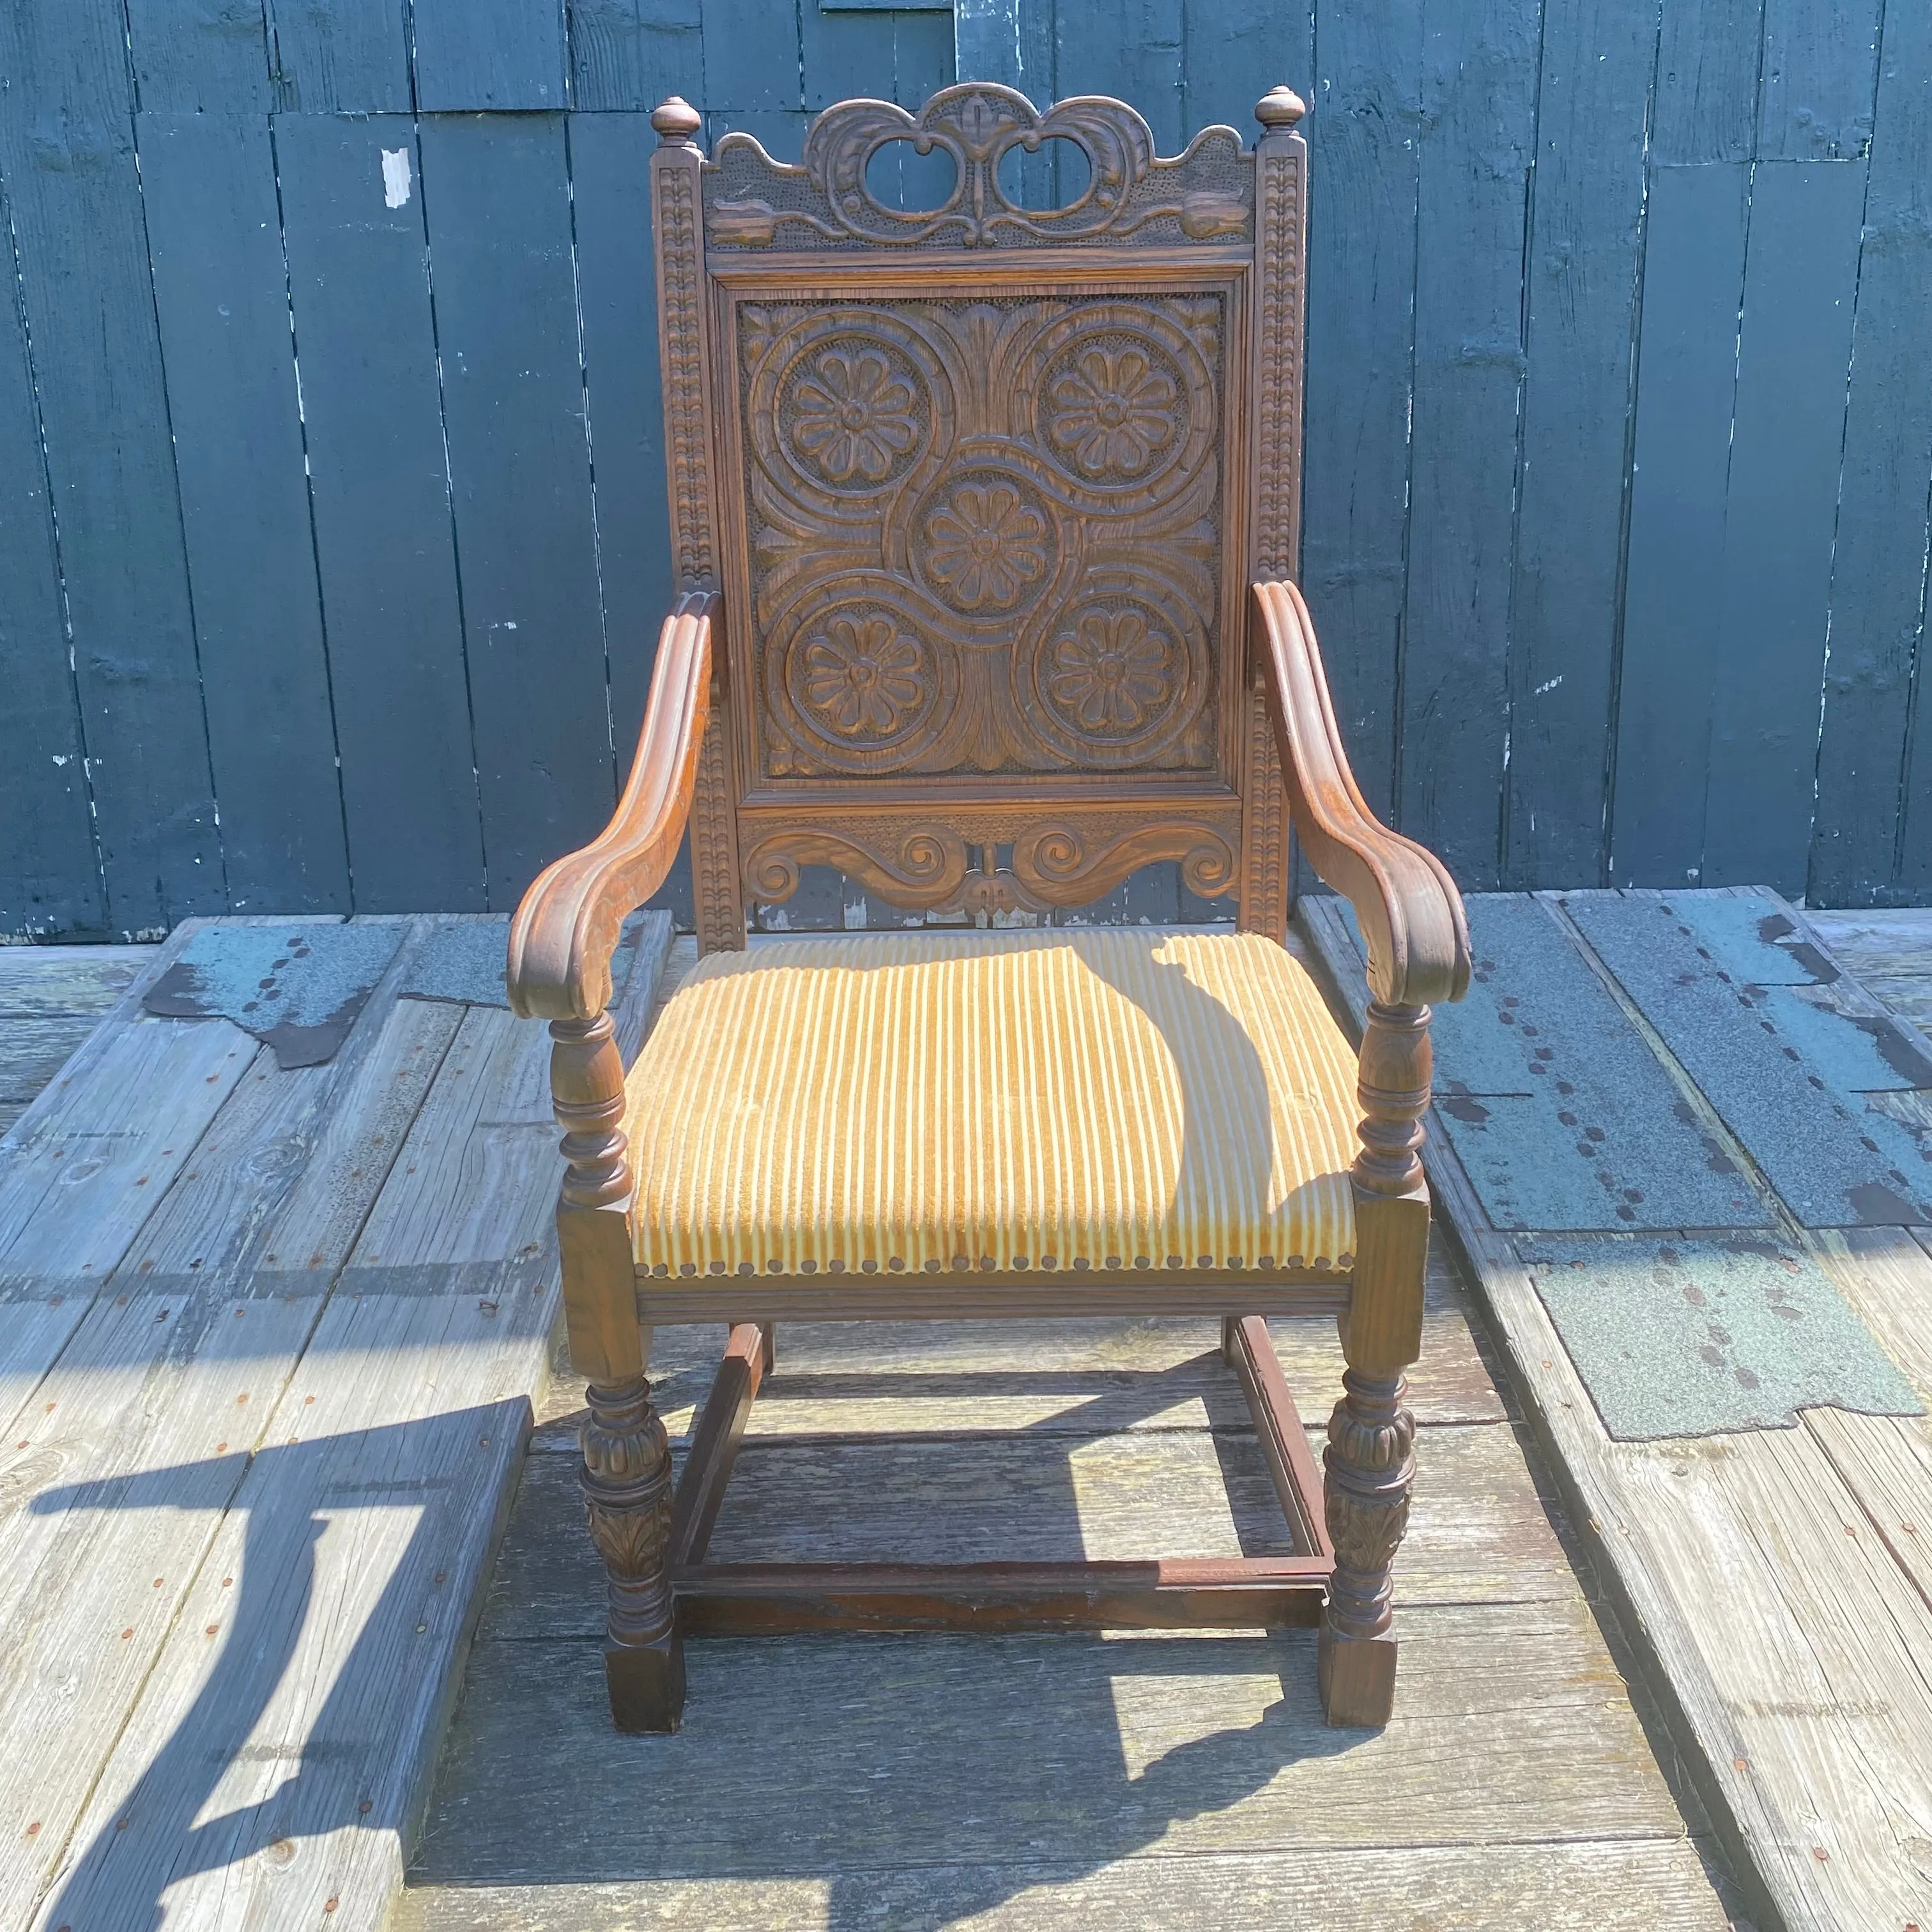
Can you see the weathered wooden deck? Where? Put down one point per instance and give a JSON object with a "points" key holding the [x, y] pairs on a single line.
{"points": [[272, 1360], [1779, 1581]]}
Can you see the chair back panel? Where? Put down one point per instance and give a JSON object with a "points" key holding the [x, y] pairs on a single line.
{"points": [[988, 483]]}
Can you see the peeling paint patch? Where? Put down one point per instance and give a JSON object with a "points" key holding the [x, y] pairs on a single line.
{"points": [[395, 176]]}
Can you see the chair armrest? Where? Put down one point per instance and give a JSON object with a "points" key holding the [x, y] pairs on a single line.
{"points": [[565, 930], [1410, 912]]}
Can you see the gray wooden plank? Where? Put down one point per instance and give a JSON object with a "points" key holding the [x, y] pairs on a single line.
{"points": [[1794, 352], [169, 1384], [751, 56], [1362, 188], [208, 183], [1872, 839], [33, 1050], [342, 57], [1130, 49], [1819, 72], [481, 56], [1231, 54], [616, 290], [1693, 273], [496, 190], [1618, 1885], [1581, 290], [630, 54], [70, 169], [208, 58], [50, 883], [57, 981], [365, 333], [1479, 95], [1707, 82], [1834, 1162], [1084, 1751], [353, 1552]]}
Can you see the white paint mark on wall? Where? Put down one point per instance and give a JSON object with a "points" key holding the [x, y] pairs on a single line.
{"points": [[61, 758], [1550, 686], [395, 176]]}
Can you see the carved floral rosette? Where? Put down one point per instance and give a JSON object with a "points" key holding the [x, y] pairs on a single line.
{"points": [[985, 535]]}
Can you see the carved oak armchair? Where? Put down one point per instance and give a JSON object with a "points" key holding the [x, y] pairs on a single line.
{"points": [[984, 520]]}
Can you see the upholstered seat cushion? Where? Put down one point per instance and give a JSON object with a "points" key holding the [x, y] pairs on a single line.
{"points": [[1061, 1099]]}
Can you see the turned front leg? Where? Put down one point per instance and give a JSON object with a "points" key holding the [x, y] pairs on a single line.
{"points": [[627, 1492], [626, 1475], [1369, 1463]]}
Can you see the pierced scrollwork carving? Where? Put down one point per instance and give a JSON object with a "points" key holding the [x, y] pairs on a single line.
{"points": [[1205, 195]]}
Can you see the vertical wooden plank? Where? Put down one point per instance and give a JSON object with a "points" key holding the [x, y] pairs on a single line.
{"points": [[1479, 105], [211, 58], [630, 54], [1233, 52], [1872, 815], [1819, 72], [496, 193], [50, 884], [1794, 349], [610, 167], [66, 154], [751, 56], [1694, 275], [221, 293], [843, 56], [1707, 82], [1580, 296], [1130, 49], [478, 56], [988, 43], [1362, 185], [342, 57], [365, 337]]}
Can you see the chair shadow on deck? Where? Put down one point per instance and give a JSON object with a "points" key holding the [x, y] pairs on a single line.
{"points": [[209, 1799], [983, 1755], [920, 1778]]}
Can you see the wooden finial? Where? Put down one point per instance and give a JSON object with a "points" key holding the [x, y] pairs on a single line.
{"points": [[1279, 107], [675, 119]]}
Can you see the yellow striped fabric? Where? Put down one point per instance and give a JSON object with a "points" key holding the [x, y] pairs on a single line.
{"points": [[928, 1102]]}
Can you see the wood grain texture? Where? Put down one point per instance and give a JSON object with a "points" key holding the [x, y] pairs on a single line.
{"points": [[1582, 276], [1694, 281], [70, 169], [496, 193], [50, 883], [386, 557], [471, 59], [1191, 1747], [1870, 840], [209, 188], [198, 60], [1794, 351], [629, 54], [1479, 101], [1614, 1886], [347, 57]]}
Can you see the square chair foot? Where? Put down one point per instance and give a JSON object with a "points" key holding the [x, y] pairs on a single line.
{"points": [[647, 1683], [1357, 1678]]}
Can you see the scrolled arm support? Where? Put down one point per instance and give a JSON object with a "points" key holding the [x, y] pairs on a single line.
{"points": [[1409, 911], [565, 930]]}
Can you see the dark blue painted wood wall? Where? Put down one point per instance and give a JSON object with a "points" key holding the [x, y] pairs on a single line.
{"points": [[331, 475]]}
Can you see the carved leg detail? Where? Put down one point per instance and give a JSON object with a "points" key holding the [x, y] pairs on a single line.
{"points": [[1370, 1463], [627, 1490]]}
